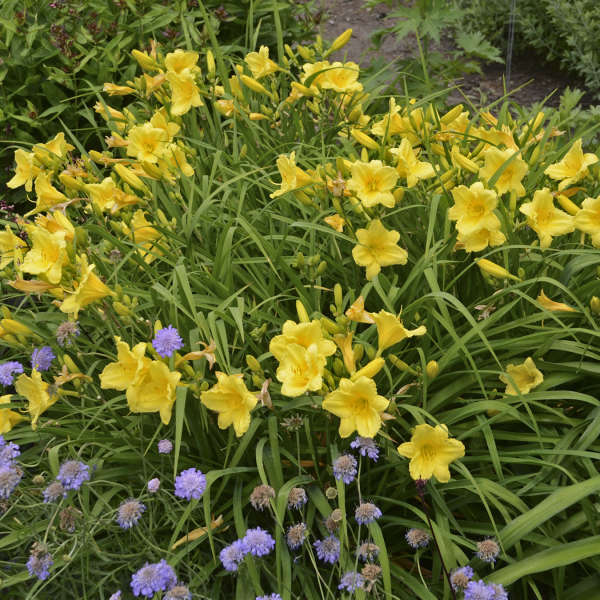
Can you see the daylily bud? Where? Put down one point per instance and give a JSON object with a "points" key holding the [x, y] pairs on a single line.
{"points": [[568, 204], [302, 314], [452, 114], [254, 85], [364, 139], [145, 61], [359, 351], [462, 161], [595, 305], [340, 41], [338, 367], [210, 64], [253, 364], [337, 295], [432, 369], [400, 364], [370, 369], [495, 270]]}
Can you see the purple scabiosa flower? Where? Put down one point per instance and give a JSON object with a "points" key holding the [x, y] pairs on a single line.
{"points": [[129, 513], [366, 513], [367, 551], [499, 592], [344, 468], [54, 491], [366, 447], [10, 475], [259, 542], [297, 498], [296, 535], [40, 561], [231, 556], [8, 452], [178, 592], [66, 333], [459, 578], [116, 595], [479, 590], [7, 371], [351, 581], [165, 446], [72, 474], [269, 597], [154, 485], [417, 538], [41, 358], [488, 550], [261, 497], [328, 550], [152, 578], [167, 340], [189, 484]]}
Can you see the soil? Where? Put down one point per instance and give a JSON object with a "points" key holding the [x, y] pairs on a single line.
{"points": [[541, 79]]}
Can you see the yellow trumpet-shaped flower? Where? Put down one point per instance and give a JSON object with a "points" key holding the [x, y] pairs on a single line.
{"points": [[160, 120], [390, 329], [512, 175], [588, 219], [300, 370], [232, 400], [358, 406], [181, 61], [112, 89], [260, 64], [373, 183], [57, 147], [107, 196], [356, 312], [8, 418], [37, 393], [545, 219], [154, 391], [55, 222], [130, 367], [573, 167], [335, 222], [175, 160], [87, 290], [10, 248], [409, 167], [473, 209], [480, 239], [552, 305], [48, 254], [146, 142], [25, 172], [292, 177], [184, 92], [431, 451], [344, 343], [302, 334], [525, 377], [47, 195], [377, 247]]}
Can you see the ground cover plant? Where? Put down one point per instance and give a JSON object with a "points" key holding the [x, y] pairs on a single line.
{"points": [[276, 341]]}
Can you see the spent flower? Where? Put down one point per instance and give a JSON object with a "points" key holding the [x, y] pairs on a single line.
{"points": [[129, 513], [344, 468], [366, 513], [417, 538]]}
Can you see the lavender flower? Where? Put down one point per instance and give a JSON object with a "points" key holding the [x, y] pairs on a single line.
{"points": [[459, 578], [499, 592], [167, 340], [116, 595], [7, 371], [154, 485], [72, 474], [479, 590], [351, 581], [367, 551], [189, 484], [41, 358], [259, 542], [231, 556], [366, 513], [66, 333], [10, 475], [152, 578], [165, 446], [39, 562], [328, 550], [366, 447], [417, 538], [297, 498], [129, 513], [344, 468], [269, 597], [296, 535], [178, 592], [54, 491], [8, 452]]}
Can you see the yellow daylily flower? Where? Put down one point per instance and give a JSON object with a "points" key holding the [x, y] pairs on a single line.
{"points": [[409, 167], [511, 177], [181, 61], [232, 400], [37, 393], [302, 334], [373, 183], [47, 195], [357, 312], [130, 367], [431, 451], [55, 222], [390, 329], [573, 167], [395, 124], [154, 391], [112, 89], [160, 120], [8, 418], [146, 142], [545, 219], [300, 370], [175, 159], [473, 209], [339, 77], [358, 406], [184, 92], [335, 222], [48, 254], [377, 247], [292, 177], [588, 219], [11, 247], [260, 64], [107, 196], [480, 239], [552, 305], [57, 147], [25, 172], [344, 343], [525, 376]]}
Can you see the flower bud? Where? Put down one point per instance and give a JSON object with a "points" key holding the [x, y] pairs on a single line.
{"points": [[338, 367], [595, 305], [359, 351], [144, 60], [364, 139], [337, 295], [432, 369], [491, 268], [302, 314], [370, 369], [210, 64], [253, 364], [452, 114], [567, 204], [340, 41]]}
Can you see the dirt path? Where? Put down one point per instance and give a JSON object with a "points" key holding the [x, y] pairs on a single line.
{"points": [[339, 15]]}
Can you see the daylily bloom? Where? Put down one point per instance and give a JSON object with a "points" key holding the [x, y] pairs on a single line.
{"points": [[8, 418], [552, 305], [10, 248], [300, 370], [130, 367], [588, 219], [36, 392], [303, 334], [260, 64], [390, 329], [107, 196], [545, 219], [573, 167], [512, 175], [356, 312], [336, 222], [431, 451], [358, 405], [292, 177], [181, 60], [184, 92], [377, 247], [113, 89], [480, 239], [232, 400], [57, 147], [409, 167], [25, 172], [525, 376], [473, 209], [55, 222], [373, 183], [146, 142], [47, 195], [48, 254]]}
